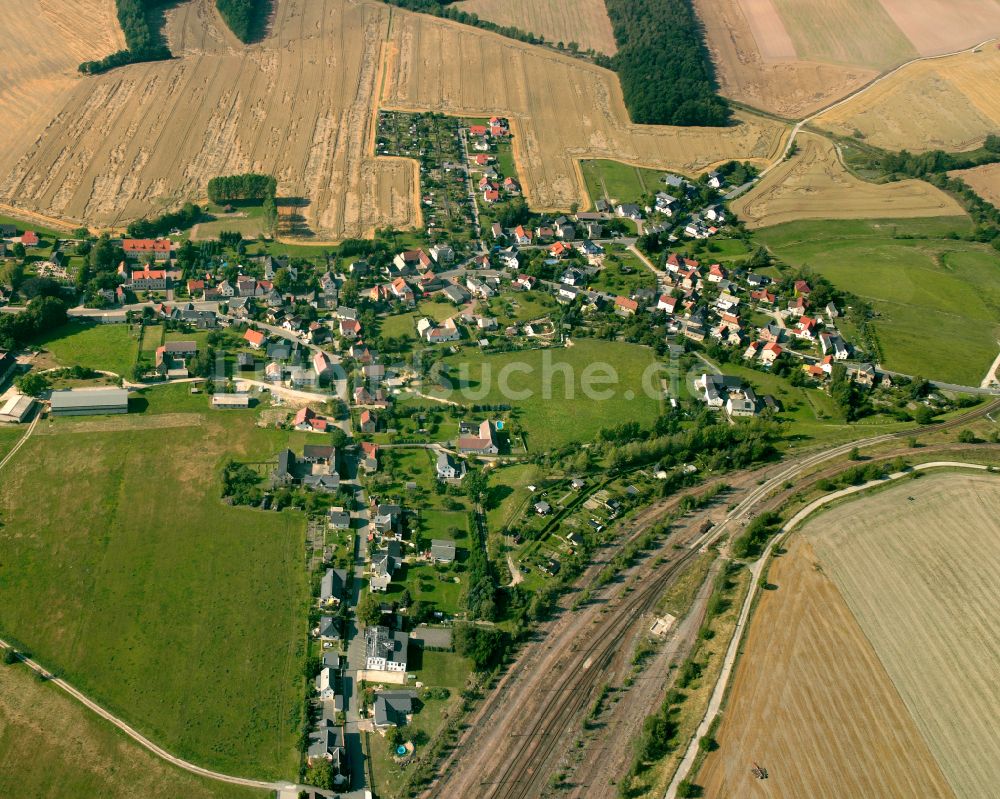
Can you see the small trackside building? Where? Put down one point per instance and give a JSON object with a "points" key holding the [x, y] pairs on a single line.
{"points": [[89, 401]]}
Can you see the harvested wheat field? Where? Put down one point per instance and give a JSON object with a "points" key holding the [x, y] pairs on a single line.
{"points": [[949, 103], [582, 21], [43, 43], [922, 583], [812, 704], [561, 109], [983, 180], [300, 105], [755, 61], [794, 57], [813, 184]]}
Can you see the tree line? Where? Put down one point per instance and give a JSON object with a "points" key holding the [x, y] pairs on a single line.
{"points": [[666, 73], [187, 216], [248, 186], [138, 19], [42, 314]]}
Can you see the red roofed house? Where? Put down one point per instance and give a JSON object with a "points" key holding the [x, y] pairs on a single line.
{"points": [[491, 196], [559, 249], [806, 328], [626, 306], [254, 338], [148, 280], [667, 303], [195, 287], [478, 130], [716, 274], [483, 444], [675, 264], [522, 236], [764, 296], [350, 328], [370, 456], [137, 248], [29, 238], [770, 353], [802, 288], [482, 159], [321, 363], [308, 420], [368, 422]]}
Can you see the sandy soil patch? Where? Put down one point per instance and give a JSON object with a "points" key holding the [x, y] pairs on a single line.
{"points": [[562, 109], [984, 180], [814, 184], [582, 21], [922, 584], [948, 103], [812, 704], [768, 29]]}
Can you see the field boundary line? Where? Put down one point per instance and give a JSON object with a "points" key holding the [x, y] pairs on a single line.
{"points": [[756, 570]]}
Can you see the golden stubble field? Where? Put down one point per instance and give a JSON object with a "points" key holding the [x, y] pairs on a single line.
{"points": [[299, 105], [984, 180], [43, 43], [920, 575], [582, 21], [562, 109], [794, 57], [950, 103], [813, 184], [812, 704]]}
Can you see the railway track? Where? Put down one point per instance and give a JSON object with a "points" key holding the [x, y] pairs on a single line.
{"points": [[522, 769]]}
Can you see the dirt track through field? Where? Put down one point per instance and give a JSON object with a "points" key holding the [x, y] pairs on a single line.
{"points": [[793, 57], [922, 584], [950, 103], [812, 704]]}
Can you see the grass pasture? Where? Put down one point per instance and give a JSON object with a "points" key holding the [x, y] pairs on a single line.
{"points": [[37, 721], [937, 298], [113, 348], [618, 182], [138, 584], [809, 695], [552, 409], [921, 584]]}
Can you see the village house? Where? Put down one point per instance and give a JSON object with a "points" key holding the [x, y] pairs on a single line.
{"points": [[449, 467], [392, 709], [385, 649], [477, 441], [136, 249]]}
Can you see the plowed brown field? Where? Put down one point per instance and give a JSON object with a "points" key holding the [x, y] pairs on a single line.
{"points": [[813, 184], [812, 704], [562, 109], [582, 21], [920, 575]]}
